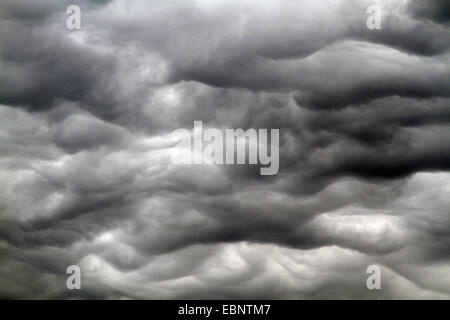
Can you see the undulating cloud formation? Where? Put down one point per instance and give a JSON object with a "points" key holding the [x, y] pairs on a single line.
{"points": [[86, 135]]}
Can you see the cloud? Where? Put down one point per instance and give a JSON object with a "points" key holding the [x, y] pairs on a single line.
{"points": [[86, 122]]}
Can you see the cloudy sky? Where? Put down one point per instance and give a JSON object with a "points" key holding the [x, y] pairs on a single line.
{"points": [[86, 118]]}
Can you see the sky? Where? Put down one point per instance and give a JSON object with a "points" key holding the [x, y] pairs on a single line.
{"points": [[86, 135]]}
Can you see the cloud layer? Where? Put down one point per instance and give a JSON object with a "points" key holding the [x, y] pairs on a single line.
{"points": [[86, 122]]}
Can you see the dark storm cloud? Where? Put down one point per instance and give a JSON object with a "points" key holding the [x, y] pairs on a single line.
{"points": [[390, 137], [438, 10], [85, 143], [226, 53]]}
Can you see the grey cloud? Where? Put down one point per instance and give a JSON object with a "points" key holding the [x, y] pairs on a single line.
{"points": [[85, 145], [438, 10]]}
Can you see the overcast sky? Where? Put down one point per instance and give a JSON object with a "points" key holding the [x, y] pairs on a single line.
{"points": [[86, 118]]}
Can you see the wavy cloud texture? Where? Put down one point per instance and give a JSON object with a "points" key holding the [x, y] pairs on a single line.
{"points": [[86, 122]]}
